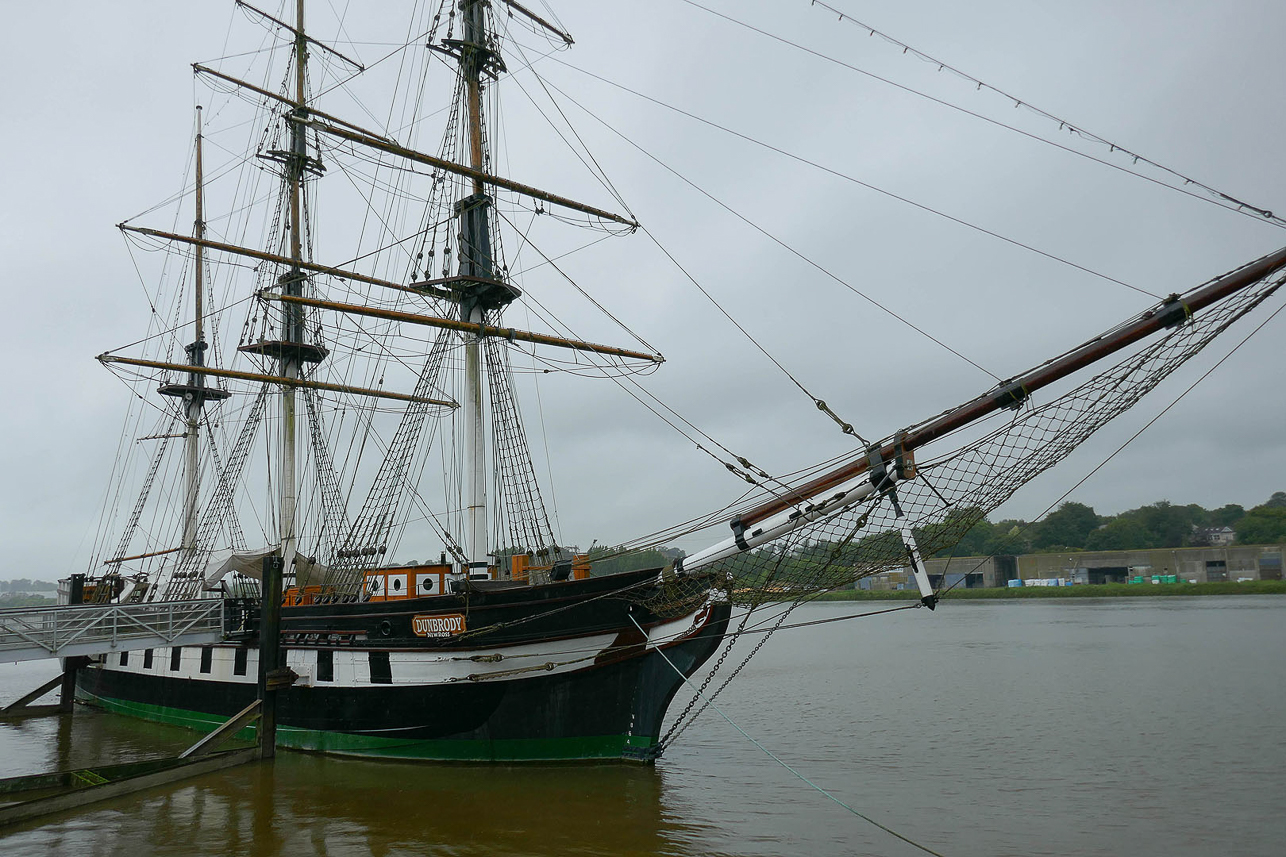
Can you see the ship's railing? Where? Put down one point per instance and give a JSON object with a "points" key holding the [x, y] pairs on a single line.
{"points": [[32, 633]]}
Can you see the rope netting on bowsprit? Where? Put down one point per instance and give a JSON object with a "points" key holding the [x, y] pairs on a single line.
{"points": [[940, 498]]}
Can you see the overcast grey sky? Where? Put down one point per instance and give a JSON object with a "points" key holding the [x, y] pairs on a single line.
{"points": [[99, 103]]}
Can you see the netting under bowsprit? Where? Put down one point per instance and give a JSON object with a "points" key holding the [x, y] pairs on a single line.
{"points": [[955, 488]]}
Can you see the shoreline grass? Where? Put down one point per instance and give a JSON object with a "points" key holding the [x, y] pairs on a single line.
{"points": [[1106, 590]]}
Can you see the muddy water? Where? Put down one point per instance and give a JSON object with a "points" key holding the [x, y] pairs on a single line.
{"points": [[1139, 726]]}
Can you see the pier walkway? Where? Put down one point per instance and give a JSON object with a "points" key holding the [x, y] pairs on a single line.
{"points": [[33, 633]]}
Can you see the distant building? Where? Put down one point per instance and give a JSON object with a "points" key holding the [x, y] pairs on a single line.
{"points": [[1213, 536], [961, 572], [1196, 564]]}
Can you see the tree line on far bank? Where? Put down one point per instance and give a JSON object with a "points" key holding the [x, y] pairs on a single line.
{"points": [[22, 584], [1075, 526], [15, 593]]}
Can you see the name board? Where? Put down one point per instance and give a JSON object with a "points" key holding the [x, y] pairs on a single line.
{"points": [[438, 626]]}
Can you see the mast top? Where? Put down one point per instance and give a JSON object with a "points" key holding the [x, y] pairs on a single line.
{"points": [[299, 32]]}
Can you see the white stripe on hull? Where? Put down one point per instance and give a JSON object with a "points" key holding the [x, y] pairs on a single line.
{"points": [[352, 665]]}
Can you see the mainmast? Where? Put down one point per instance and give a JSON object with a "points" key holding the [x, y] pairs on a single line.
{"points": [[195, 393], [480, 289], [293, 316], [292, 351]]}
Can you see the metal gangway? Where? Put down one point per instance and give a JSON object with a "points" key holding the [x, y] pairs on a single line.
{"points": [[33, 633]]}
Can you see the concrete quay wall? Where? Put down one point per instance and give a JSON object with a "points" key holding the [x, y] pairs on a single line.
{"points": [[1199, 565]]}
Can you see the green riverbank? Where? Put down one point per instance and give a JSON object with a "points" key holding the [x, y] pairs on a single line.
{"points": [[1106, 590]]}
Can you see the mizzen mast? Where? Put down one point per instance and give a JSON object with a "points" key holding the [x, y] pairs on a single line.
{"points": [[195, 393]]}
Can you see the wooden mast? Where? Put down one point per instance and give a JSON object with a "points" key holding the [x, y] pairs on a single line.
{"points": [[290, 358], [192, 441], [195, 393], [198, 231], [475, 261]]}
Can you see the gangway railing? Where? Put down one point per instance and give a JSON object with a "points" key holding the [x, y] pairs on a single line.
{"points": [[33, 633]]}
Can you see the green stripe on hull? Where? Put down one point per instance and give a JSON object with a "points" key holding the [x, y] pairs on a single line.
{"points": [[368, 746], [162, 714]]}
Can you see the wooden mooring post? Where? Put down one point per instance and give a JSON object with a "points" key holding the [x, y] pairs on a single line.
{"points": [[22, 708], [271, 676]]}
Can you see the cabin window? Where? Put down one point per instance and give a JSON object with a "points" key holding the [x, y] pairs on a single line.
{"points": [[381, 672], [176, 658], [124, 658], [239, 664], [325, 665], [207, 659], [147, 659]]}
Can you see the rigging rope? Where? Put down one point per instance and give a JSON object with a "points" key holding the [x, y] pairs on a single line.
{"points": [[236, 537], [551, 261], [334, 513], [522, 508], [596, 170], [1240, 207], [805, 258], [185, 581], [629, 385], [969, 480], [845, 426], [127, 534], [837, 174], [1215, 196]]}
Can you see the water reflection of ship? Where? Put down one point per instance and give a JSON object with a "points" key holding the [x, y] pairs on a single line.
{"points": [[308, 803], [322, 804]]}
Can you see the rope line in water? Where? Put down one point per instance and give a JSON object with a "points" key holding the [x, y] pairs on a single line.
{"points": [[772, 756]]}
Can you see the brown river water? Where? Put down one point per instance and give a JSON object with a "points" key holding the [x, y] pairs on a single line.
{"points": [[1140, 726]]}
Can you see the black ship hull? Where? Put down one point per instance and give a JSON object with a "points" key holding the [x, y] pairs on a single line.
{"points": [[564, 673]]}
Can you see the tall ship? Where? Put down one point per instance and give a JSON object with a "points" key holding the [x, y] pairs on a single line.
{"points": [[330, 379]]}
